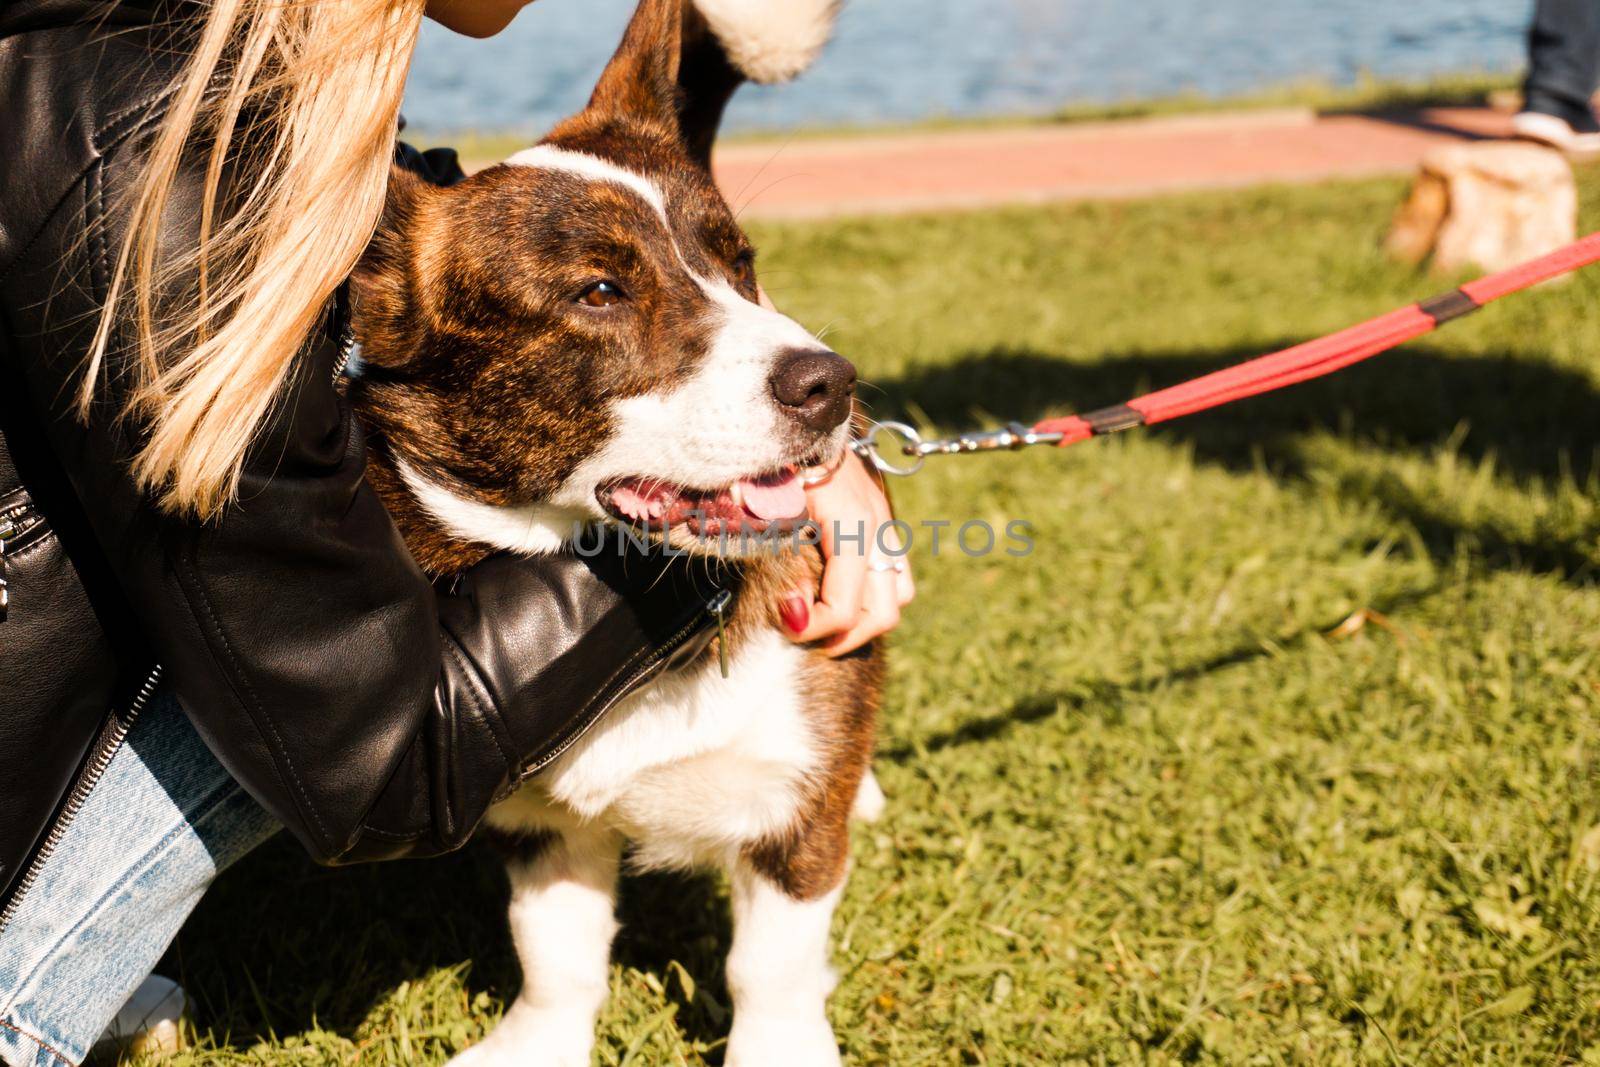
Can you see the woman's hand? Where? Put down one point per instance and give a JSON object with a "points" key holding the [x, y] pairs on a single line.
{"points": [[861, 594], [475, 18]]}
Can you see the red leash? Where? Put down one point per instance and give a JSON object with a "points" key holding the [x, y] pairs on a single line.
{"points": [[1277, 370], [1313, 359]]}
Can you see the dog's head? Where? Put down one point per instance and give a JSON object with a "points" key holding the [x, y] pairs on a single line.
{"points": [[577, 333]]}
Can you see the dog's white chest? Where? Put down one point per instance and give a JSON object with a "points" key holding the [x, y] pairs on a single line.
{"points": [[690, 767]]}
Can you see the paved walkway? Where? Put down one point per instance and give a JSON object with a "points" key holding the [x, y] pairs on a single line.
{"points": [[969, 168]]}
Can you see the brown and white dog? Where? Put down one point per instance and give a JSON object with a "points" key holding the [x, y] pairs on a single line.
{"points": [[574, 336]]}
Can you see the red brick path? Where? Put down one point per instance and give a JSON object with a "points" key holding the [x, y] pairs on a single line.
{"points": [[937, 170]]}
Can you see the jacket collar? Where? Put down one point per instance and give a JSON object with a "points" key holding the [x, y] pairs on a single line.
{"points": [[26, 16]]}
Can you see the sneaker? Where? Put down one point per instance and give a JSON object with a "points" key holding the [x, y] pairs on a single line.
{"points": [[148, 1025], [1557, 132]]}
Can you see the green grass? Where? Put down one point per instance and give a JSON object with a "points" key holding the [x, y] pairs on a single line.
{"points": [[1157, 794], [1366, 94]]}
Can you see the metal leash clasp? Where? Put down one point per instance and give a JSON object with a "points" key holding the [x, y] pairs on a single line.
{"points": [[1009, 438]]}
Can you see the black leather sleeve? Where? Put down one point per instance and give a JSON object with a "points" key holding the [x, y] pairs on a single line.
{"points": [[372, 713]]}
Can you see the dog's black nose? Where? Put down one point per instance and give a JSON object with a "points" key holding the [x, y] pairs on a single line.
{"points": [[814, 386]]}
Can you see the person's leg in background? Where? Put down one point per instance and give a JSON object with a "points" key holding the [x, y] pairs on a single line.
{"points": [[1563, 73], [164, 819]]}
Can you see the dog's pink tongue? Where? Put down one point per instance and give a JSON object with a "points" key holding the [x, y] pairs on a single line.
{"points": [[777, 496]]}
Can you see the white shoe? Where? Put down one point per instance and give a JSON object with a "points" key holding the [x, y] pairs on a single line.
{"points": [[1555, 132], [148, 1024]]}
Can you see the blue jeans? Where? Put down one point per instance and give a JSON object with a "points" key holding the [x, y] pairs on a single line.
{"points": [[1564, 58], [164, 819]]}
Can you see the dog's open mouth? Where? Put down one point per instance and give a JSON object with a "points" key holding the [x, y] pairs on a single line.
{"points": [[756, 504]]}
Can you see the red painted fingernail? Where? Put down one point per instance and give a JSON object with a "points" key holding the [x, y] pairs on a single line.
{"points": [[796, 613]]}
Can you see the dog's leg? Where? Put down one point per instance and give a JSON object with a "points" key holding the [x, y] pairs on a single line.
{"points": [[778, 974], [784, 893], [562, 922], [786, 886]]}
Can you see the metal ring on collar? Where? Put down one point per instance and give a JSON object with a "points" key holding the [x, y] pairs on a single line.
{"points": [[810, 476], [909, 442]]}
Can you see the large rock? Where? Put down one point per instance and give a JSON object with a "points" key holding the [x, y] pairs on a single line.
{"points": [[1490, 204]]}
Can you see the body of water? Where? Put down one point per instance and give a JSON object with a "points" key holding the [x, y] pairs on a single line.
{"points": [[904, 60]]}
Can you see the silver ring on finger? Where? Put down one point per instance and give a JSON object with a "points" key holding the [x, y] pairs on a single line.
{"points": [[887, 566]]}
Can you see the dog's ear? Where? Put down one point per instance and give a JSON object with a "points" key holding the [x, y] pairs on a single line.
{"points": [[727, 42], [383, 286], [641, 81], [707, 80], [681, 61], [670, 69]]}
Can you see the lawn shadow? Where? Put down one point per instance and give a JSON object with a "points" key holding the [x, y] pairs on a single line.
{"points": [[280, 945], [1105, 698], [670, 918], [1540, 422]]}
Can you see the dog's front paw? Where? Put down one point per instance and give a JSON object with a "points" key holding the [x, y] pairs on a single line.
{"points": [[765, 1041], [525, 1038], [484, 1054]]}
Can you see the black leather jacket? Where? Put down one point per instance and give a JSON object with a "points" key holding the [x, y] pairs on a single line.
{"points": [[372, 713]]}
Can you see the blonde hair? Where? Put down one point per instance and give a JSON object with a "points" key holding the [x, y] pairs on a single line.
{"points": [[316, 84]]}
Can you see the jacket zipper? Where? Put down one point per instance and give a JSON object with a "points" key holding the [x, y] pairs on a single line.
{"points": [[112, 734], [716, 606], [347, 345], [7, 532], [15, 526]]}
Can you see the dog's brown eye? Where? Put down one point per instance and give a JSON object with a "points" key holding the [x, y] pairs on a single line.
{"points": [[744, 268], [601, 294]]}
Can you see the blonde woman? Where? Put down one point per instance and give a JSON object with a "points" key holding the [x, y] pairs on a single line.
{"points": [[186, 185]]}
